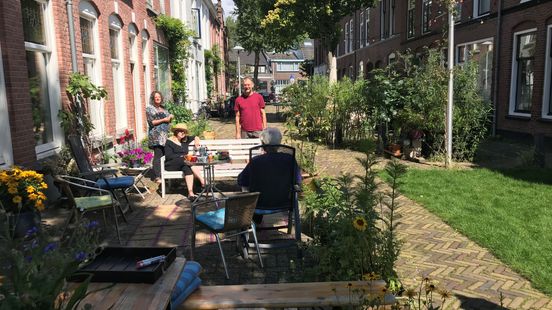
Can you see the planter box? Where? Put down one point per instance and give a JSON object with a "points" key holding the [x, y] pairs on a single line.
{"points": [[118, 264]]}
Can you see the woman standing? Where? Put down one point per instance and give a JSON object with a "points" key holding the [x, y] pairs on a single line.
{"points": [[158, 130], [176, 149]]}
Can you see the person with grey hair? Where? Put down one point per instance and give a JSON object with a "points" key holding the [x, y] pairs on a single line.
{"points": [[270, 172], [250, 112]]}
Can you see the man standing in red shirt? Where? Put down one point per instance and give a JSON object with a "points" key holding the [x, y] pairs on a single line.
{"points": [[250, 112]]}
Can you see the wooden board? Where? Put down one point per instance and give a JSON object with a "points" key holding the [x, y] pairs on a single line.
{"points": [[136, 295], [282, 295]]}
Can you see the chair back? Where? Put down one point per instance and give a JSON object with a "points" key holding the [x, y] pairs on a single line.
{"points": [[239, 210], [273, 174], [77, 148]]}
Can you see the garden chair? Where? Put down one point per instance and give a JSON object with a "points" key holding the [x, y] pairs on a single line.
{"points": [[278, 185], [85, 196], [231, 214], [105, 178]]}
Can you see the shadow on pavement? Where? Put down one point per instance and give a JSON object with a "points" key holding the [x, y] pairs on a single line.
{"points": [[472, 303]]}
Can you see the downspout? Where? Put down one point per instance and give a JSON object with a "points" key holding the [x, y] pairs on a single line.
{"points": [[74, 65], [496, 67]]}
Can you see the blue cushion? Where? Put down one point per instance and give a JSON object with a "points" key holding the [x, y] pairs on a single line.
{"points": [[113, 183], [267, 211], [176, 300], [186, 284], [212, 219]]}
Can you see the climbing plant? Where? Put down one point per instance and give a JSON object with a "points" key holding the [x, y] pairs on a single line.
{"points": [[177, 35], [213, 64]]}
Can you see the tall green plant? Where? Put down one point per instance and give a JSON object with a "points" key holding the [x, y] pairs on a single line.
{"points": [[74, 118], [180, 112], [177, 35]]}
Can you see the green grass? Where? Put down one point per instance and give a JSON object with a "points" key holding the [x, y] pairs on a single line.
{"points": [[508, 212]]}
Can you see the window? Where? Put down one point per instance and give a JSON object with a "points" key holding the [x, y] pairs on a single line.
{"points": [[161, 69], [458, 12], [521, 88], [351, 36], [115, 47], [6, 152], [387, 18], [367, 25], [410, 18], [41, 73], [481, 7], [146, 65], [162, 6], [287, 66], [361, 69], [426, 15], [279, 85], [251, 68], [91, 58], [135, 76], [547, 96], [346, 41], [482, 53], [362, 29], [391, 58], [196, 23]]}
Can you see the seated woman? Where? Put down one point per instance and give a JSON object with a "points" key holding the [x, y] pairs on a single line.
{"points": [[176, 149]]}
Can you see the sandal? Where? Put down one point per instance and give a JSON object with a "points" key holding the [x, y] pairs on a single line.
{"points": [[192, 198]]}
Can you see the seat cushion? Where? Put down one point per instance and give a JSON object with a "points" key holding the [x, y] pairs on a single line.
{"points": [[212, 219], [93, 202], [114, 183]]}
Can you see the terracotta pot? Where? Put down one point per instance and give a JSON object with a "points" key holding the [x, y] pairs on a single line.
{"points": [[209, 135], [395, 149]]}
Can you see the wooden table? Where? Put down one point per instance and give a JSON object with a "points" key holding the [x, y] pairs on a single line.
{"points": [[136, 295]]}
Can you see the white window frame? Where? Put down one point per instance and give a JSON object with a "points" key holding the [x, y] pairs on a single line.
{"points": [[361, 69], [346, 41], [351, 36], [476, 8], [361, 29], [547, 87], [367, 25], [95, 107], [54, 93], [426, 19], [146, 57], [117, 69], [287, 66], [466, 53], [513, 77], [6, 151], [411, 8]]}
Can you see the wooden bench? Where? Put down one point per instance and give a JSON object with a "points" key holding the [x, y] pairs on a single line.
{"points": [[288, 295], [238, 150]]}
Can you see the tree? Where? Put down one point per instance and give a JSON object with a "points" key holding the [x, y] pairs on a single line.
{"points": [[319, 19], [256, 39]]}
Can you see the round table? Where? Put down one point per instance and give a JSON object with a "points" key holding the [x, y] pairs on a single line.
{"points": [[209, 177], [138, 173]]}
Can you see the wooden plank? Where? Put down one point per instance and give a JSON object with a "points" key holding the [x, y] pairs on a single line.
{"points": [[282, 295], [136, 295]]}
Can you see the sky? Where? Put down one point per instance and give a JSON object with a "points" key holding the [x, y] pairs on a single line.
{"points": [[228, 6]]}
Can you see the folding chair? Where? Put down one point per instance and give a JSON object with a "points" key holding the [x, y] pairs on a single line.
{"points": [[104, 178], [232, 214], [274, 175], [85, 196]]}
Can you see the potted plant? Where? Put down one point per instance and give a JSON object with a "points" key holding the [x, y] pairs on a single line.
{"points": [[132, 156], [21, 199]]}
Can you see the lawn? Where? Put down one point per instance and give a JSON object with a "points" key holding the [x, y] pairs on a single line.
{"points": [[508, 212]]}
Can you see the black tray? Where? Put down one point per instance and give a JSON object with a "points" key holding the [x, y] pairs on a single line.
{"points": [[118, 264]]}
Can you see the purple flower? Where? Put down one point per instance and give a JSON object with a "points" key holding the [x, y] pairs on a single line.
{"points": [[31, 232], [92, 225], [80, 256], [28, 258], [50, 247]]}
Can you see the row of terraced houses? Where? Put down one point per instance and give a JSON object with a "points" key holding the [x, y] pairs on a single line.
{"points": [[116, 44], [510, 39]]}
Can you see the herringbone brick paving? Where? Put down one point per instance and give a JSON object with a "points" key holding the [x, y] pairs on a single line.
{"points": [[430, 247]]}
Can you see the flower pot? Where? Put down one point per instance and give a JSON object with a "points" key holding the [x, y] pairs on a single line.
{"points": [[19, 224], [395, 149], [209, 135]]}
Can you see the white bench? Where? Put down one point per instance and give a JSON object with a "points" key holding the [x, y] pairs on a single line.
{"points": [[238, 149]]}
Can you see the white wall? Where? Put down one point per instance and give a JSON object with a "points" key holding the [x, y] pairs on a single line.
{"points": [[6, 151]]}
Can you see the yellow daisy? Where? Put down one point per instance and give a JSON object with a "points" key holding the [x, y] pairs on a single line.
{"points": [[359, 223], [17, 199]]}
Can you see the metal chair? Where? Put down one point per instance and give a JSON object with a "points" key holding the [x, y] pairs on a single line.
{"points": [[85, 196], [275, 175], [105, 178], [232, 214]]}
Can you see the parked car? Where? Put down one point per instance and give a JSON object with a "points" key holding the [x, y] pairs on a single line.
{"points": [[268, 97]]}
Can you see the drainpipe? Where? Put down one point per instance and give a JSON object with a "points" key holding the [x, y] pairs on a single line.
{"points": [[74, 65], [496, 67]]}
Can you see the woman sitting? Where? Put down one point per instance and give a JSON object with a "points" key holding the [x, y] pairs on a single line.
{"points": [[176, 149]]}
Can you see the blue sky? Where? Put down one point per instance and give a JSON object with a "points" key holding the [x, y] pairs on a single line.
{"points": [[228, 6]]}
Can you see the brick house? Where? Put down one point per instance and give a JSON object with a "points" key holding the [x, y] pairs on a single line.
{"points": [[510, 39]]}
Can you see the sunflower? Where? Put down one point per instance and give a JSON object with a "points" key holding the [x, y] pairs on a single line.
{"points": [[370, 276], [444, 294], [359, 223]]}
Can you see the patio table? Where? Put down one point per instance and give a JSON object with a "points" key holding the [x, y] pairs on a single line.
{"points": [[138, 173], [209, 177]]}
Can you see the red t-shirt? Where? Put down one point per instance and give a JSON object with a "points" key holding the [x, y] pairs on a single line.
{"points": [[250, 111]]}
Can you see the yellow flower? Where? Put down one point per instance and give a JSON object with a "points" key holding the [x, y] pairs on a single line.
{"points": [[43, 185], [359, 223], [17, 199], [39, 205], [12, 190], [30, 189], [370, 276], [33, 197]]}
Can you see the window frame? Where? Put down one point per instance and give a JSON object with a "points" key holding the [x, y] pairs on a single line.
{"points": [[477, 8], [351, 36], [346, 40], [6, 151], [367, 25], [514, 76], [426, 16], [411, 19], [118, 74], [465, 54], [51, 70], [547, 87], [361, 29]]}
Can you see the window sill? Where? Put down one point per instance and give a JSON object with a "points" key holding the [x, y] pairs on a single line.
{"points": [[519, 117]]}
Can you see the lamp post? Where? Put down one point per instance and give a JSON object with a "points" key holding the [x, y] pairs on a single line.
{"points": [[450, 99], [238, 48]]}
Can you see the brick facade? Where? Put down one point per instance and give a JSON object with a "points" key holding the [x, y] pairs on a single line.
{"points": [[514, 16]]}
